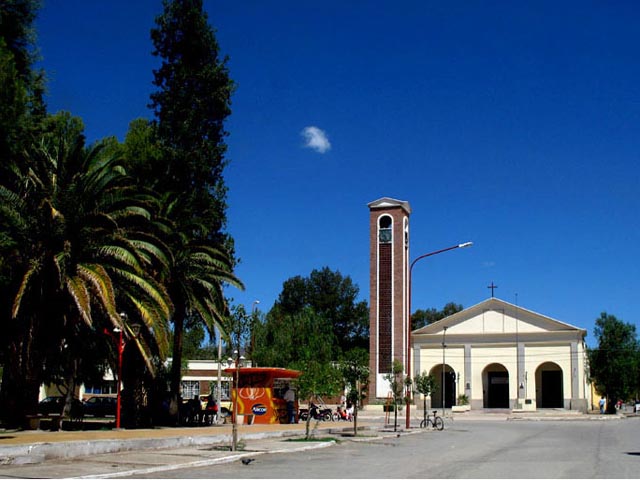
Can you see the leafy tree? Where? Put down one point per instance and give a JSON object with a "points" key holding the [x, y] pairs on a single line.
{"points": [[79, 253], [355, 374], [284, 338], [333, 296], [238, 334], [319, 378], [397, 383], [424, 384], [191, 105], [615, 362], [197, 271], [16, 29], [143, 153], [185, 150], [22, 106], [421, 318]]}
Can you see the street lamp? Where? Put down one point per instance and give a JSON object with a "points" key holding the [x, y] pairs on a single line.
{"points": [[460, 245], [135, 328], [236, 386], [119, 382], [254, 307], [444, 346]]}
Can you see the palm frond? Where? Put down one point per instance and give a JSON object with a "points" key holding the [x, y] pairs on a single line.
{"points": [[78, 291]]}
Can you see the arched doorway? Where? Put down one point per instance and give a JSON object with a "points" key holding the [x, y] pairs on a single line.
{"points": [[495, 386], [449, 383], [549, 391]]}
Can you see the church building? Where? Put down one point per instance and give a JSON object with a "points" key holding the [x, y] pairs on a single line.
{"points": [[499, 355], [491, 355]]}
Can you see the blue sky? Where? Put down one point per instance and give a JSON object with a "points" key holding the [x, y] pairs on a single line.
{"points": [[515, 125]]}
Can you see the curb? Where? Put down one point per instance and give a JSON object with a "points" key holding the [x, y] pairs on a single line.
{"points": [[39, 452], [204, 463]]}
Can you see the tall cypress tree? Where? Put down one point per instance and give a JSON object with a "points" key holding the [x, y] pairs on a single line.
{"points": [[22, 108], [191, 104]]}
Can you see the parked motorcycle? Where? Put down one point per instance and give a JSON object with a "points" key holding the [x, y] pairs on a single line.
{"points": [[316, 412]]}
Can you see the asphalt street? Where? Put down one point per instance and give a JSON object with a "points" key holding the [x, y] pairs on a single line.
{"points": [[465, 449], [544, 449]]}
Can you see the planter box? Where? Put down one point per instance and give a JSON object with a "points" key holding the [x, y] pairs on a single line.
{"points": [[461, 408]]}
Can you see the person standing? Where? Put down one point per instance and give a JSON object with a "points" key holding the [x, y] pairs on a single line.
{"points": [[290, 398], [601, 403]]}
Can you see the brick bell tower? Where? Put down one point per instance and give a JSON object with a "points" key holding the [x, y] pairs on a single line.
{"points": [[388, 289]]}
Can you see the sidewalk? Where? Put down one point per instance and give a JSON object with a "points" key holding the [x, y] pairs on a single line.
{"points": [[35, 446]]}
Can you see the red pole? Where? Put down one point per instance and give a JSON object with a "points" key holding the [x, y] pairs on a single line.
{"points": [[120, 349]]}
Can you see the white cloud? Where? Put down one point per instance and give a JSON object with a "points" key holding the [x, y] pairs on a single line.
{"points": [[316, 139]]}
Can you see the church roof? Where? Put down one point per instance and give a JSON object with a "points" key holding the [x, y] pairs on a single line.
{"points": [[388, 202], [497, 316]]}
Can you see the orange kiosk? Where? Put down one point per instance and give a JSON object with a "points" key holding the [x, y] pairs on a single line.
{"points": [[260, 393]]}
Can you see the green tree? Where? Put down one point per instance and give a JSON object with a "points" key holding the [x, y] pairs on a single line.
{"points": [[334, 297], [238, 334], [615, 362], [421, 318], [191, 105], [282, 341], [397, 383], [355, 374], [185, 147], [424, 385], [78, 253], [197, 272], [319, 378], [22, 106]]}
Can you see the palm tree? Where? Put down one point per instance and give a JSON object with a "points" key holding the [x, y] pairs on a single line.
{"points": [[198, 270], [72, 239]]}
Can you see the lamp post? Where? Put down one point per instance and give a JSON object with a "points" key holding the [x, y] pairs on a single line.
{"points": [[135, 328], [460, 245], [119, 382], [236, 387], [444, 346], [254, 307]]}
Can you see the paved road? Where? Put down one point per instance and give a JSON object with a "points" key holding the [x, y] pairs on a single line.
{"points": [[478, 449], [542, 449]]}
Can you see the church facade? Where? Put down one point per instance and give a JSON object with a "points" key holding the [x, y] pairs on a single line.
{"points": [[502, 356]]}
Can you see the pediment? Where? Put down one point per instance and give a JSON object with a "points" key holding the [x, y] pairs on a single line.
{"points": [[495, 316]]}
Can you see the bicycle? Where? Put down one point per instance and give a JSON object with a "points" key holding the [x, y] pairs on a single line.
{"points": [[437, 423]]}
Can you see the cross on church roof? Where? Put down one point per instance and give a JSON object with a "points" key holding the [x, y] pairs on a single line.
{"points": [[492, 287]]}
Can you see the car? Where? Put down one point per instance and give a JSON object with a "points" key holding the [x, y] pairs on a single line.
{"points": [[100, 406], [55, 405]]}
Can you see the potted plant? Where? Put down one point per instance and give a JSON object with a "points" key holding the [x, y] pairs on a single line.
{"points": [[463, 404]]}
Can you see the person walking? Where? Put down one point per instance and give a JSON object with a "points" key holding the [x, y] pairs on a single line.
{"points": [[601, 403]]}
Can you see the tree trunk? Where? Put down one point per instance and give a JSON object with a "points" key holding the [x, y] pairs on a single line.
{"points": [[176, 365], [355, 420], [21, 375]]}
